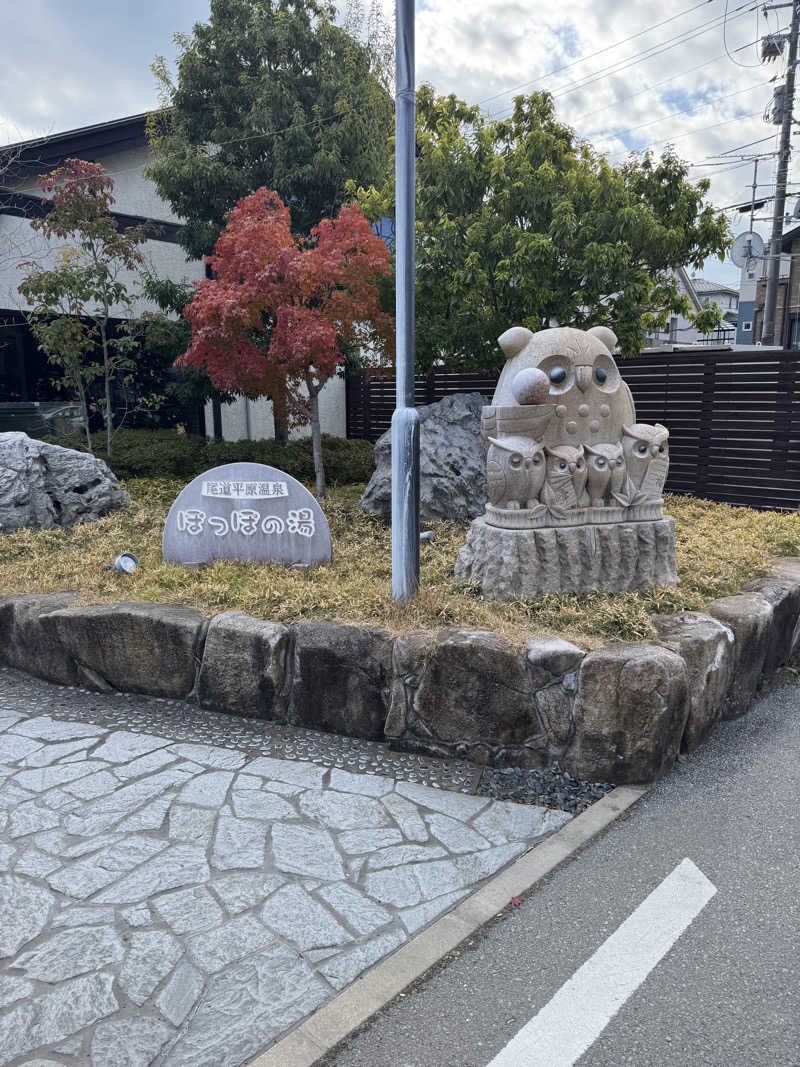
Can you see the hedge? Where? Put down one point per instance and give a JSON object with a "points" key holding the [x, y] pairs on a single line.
{"points": [[166, 453]]}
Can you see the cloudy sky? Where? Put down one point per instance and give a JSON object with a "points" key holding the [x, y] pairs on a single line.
{"points": [[627, 75]]}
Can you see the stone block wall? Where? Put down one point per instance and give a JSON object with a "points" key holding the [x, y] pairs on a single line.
{"points": [[621, 713]]}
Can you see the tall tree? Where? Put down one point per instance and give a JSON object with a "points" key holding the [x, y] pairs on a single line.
{"points": [[520, 223], [269, 93], [75, 301], [282, 305]]}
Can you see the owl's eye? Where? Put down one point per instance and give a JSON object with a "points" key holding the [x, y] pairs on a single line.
{"points": [[660, 448], [516, 460], [600, 374], [641, 448], [537, 459], [562, 466], [557, 375], [600, 462], [579, 464]]}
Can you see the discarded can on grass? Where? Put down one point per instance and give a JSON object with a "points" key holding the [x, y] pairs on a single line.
{"points": [[125, 563]]}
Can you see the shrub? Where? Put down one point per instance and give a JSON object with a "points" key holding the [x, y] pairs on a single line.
{"points": [[165, 453]]}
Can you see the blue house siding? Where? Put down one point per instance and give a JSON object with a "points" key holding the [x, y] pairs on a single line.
{"points": [[747, 310]]}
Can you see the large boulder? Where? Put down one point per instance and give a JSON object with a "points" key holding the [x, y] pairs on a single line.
{"points": [[245, 667], [26, 645], [749, 616], [630, 714], [131, 647], [706, 647], [341, 677], [43, 486], [452, 463]]}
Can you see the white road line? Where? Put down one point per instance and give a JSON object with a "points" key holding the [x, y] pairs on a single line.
{"points": [[583, 1007]]}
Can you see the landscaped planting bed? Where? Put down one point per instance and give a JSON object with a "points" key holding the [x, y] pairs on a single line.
{"points": [[719, 548]]}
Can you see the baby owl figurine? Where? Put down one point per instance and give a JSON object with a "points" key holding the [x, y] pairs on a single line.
{"points": [[515, 468]]}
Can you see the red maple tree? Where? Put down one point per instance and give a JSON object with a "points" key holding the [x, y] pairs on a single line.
{"points": [[281, 311]]}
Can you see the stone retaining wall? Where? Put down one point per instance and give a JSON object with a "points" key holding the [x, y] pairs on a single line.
{"points": [[621, 713]]}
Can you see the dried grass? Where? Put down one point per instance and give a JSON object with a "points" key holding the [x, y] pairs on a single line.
{"points": [[719, 548]]}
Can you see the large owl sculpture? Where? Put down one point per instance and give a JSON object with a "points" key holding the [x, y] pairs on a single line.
{"points": [[591, 401], [515, 467], [647, 459]]}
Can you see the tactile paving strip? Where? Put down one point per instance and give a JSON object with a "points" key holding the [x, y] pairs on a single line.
{"points": [[186, 722]]}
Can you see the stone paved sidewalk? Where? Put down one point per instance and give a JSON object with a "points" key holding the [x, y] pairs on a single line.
{"points": [[165, 901]]}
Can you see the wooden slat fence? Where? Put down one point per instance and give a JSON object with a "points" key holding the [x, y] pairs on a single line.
{"points": [[733, 417]]}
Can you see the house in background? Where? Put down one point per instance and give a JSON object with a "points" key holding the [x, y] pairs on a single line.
{"points": [[787, 309], [680, 331], [121, 148], [716, 292]]}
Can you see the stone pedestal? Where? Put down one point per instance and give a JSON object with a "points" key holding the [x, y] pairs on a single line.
{"points": [[610, 557]]}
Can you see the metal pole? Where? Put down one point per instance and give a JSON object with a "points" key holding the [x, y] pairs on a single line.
{"points": [[405, 420], [774, 262]]}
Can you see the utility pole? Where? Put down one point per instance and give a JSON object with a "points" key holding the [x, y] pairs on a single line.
{"points": [[774, 261], [405, 420]]}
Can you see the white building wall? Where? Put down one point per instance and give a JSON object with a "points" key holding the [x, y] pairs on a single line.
{"points": [[251, 420]]}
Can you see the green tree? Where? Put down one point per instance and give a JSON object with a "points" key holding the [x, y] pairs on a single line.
{"points": [[76, 301], [520, 223], [268, 93]]}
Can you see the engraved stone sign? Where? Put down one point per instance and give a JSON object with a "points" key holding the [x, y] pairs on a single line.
{"points": [[248, 512]]}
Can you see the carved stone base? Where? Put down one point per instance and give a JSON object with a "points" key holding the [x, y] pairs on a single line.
{"points": [[609, 558]]}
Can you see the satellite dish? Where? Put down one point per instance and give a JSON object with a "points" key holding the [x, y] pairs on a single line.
{"points": [[747, 246]]}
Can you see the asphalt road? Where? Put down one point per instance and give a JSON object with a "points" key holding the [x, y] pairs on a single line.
{"points": [[726, 995]]}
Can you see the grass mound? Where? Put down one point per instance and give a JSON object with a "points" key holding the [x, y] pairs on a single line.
{"points": [[719, 548]]}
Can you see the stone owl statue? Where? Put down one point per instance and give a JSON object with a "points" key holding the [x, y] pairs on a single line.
{"points": [[605, 475], [590, 400], [565, 480], [515, 468], [646, 451]]}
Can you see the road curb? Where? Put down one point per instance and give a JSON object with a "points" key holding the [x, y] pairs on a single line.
{"points": [[319, 1034]]}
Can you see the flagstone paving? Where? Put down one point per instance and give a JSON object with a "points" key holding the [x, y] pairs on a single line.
{"points": [[180, 903]]}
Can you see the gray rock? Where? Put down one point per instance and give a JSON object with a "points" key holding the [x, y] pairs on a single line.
{"points": [[238, 843], [13, 989], [138, 648], [452, 463], [355, 841], [706, 647], [129, 1042], [25, 645], [43, 486], [415, 918], [445, 876], [191, 824], [246, 1008], [508, 564], [307, 775], [181, 992], [55, 1016], [72, 952], [749, 616], [407, 817], [215, 949], [152, 955], [505, 822], [397, 887], [341, 678], [783, 594], [295, 916], [399, 855], [224, 759], [246, 889], [82, 879], [179, 865], [307, 851], [244, 666], [188, 910], [24, 910], [150, 817], [207, 790], [464, 693], [550, 658], [357, 910], [457, 805], [45, 728], [346, 966], [138, 915], [343, 811], [455, 835], [369, 785], [257, 804], [123, 746], [144, 765], [630, 714]]}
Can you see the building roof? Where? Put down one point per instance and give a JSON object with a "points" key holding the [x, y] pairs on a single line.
{"points": [[36, 155], [703, 286]]}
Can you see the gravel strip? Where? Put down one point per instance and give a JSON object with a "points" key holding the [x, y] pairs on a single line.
{"points": [[553, 788]]}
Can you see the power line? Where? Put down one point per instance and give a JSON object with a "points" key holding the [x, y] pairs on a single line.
{"points": [[747, 66], [599, 52]]}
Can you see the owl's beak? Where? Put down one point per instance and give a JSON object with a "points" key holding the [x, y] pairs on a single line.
{"points": [[583, 376]]}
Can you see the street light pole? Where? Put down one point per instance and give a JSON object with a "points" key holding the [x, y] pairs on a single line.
{"points": [[774, 260], [405, 420]]}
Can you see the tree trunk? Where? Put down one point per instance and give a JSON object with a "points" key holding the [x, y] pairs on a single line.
{"points": [[316, 441], [84, 412], [280, 413], [107, 404]]}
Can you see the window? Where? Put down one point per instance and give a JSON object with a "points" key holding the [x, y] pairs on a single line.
{"points": [[747, 327]]}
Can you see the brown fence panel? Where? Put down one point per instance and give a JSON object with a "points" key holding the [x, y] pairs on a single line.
{"points": [[733, 417]]}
